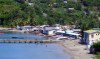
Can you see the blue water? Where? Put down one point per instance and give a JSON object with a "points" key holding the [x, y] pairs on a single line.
{"points": [[21, 36], [30, 51]]}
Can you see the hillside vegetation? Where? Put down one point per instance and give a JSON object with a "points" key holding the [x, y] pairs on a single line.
{"points": [[82, 13]]}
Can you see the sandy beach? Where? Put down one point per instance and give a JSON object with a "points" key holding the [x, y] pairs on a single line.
{"points": [[78, 51]]}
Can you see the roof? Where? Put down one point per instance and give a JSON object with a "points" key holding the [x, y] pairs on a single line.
{"points": [[60, 31], [70, 32], [49, 28], [94, 30]]}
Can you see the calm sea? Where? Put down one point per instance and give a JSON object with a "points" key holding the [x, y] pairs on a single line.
{"points": [[30, 51]]}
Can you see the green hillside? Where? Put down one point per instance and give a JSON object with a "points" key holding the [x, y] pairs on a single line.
{"points": [[83, 13]]}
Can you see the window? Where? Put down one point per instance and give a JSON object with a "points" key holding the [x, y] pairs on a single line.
{"points": [[92, 36], [97, 34]]}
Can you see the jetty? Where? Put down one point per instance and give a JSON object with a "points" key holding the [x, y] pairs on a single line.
{"points": [[29, 41]]}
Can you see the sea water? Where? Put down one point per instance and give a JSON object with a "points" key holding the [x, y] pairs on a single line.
{"points": [[30, 51]]}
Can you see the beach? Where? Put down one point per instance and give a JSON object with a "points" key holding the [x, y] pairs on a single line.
{"points": [[78, 51], [73, 47], [10, 29]]}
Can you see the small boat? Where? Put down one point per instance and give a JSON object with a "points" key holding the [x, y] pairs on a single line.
{"points": [[14, 37], [17, 37]]}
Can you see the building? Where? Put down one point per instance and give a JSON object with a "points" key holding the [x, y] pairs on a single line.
{"points": [[65, 1], [50, 30], [36, 30], [60, 32], [71, 34], [91, 36], [68, 27], [27, 28], [30, 4]]}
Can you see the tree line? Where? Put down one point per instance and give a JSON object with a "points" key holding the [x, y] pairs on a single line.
{"points": [[82, 13]]}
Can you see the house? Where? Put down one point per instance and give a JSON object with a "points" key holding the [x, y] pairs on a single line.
{"points": [[48, 30], [30, 4], [71, 9], [68, 26], [91, 36], [65, 2], [35, 29]]}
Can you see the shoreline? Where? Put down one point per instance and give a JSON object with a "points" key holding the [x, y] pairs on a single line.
{"points": [[72, 47], [66, 50], [76, 50]]}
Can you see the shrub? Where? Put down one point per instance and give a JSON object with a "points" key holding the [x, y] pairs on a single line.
{"points": [[95, 48]]}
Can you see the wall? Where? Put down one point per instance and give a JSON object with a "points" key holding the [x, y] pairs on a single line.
{"points": [[95, 37], [86, 38]]}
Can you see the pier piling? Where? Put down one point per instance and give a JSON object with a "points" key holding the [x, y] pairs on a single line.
{"points": [[28, 41]]}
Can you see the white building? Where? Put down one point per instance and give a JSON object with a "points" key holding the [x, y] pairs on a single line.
{"points": [[50, 30], [30, 4], [72, 34], [65, 1], [60, 32]]}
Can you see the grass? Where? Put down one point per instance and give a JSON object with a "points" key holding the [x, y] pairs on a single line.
{"points": [[97, 56]]}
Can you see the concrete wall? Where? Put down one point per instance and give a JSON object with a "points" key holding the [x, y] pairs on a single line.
{"points": [[94, 37], [51, 32]]}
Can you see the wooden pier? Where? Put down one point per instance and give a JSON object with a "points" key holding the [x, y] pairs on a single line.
{"points": [[28, 41]]}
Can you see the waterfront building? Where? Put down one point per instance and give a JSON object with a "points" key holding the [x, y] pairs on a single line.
{"points": [[91, 36], [76, 30], [36, 30], [24, 28], [71, 34], [60, 32], [48, 30]]}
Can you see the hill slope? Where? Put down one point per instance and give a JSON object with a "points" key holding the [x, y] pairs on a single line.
{"points": [[83, 13]]}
